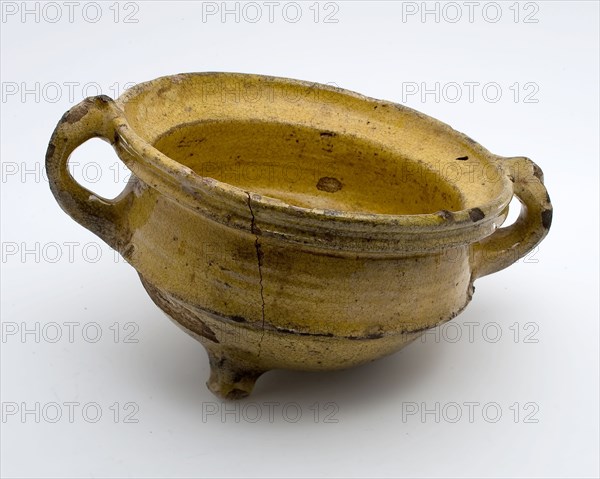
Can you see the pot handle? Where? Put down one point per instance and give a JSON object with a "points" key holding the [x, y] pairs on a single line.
{"points": [[93, 117], [505, 246]]}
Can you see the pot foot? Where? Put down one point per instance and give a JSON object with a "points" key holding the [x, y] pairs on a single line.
{"points": [[230, 379]]}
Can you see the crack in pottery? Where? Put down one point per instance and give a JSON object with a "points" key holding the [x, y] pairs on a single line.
{"points": [[259, 256]]}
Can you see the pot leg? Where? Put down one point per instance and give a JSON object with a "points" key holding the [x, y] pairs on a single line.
{"points": [[231, 379]]}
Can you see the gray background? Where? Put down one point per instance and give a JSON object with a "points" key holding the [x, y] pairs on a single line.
{"points": [[526, 348]]}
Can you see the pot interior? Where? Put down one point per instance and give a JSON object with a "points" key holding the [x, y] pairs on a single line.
{"points": [[309, 167]]}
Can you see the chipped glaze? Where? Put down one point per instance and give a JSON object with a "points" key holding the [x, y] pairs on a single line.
{"points": [[288, 224]]}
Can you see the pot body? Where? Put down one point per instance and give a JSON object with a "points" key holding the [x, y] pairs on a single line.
{"points": [[285, 305]]}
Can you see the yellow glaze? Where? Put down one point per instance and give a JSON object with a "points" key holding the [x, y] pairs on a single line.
{"points": [[288, 224]]}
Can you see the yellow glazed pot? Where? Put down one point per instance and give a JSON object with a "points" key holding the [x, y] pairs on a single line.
{"points": [[288, 224]]}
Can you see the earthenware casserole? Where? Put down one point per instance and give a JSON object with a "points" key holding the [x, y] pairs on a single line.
{"points": [[288, 224]]}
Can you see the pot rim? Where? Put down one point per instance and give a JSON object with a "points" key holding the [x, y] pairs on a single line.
{"points": [[277, 217]]}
